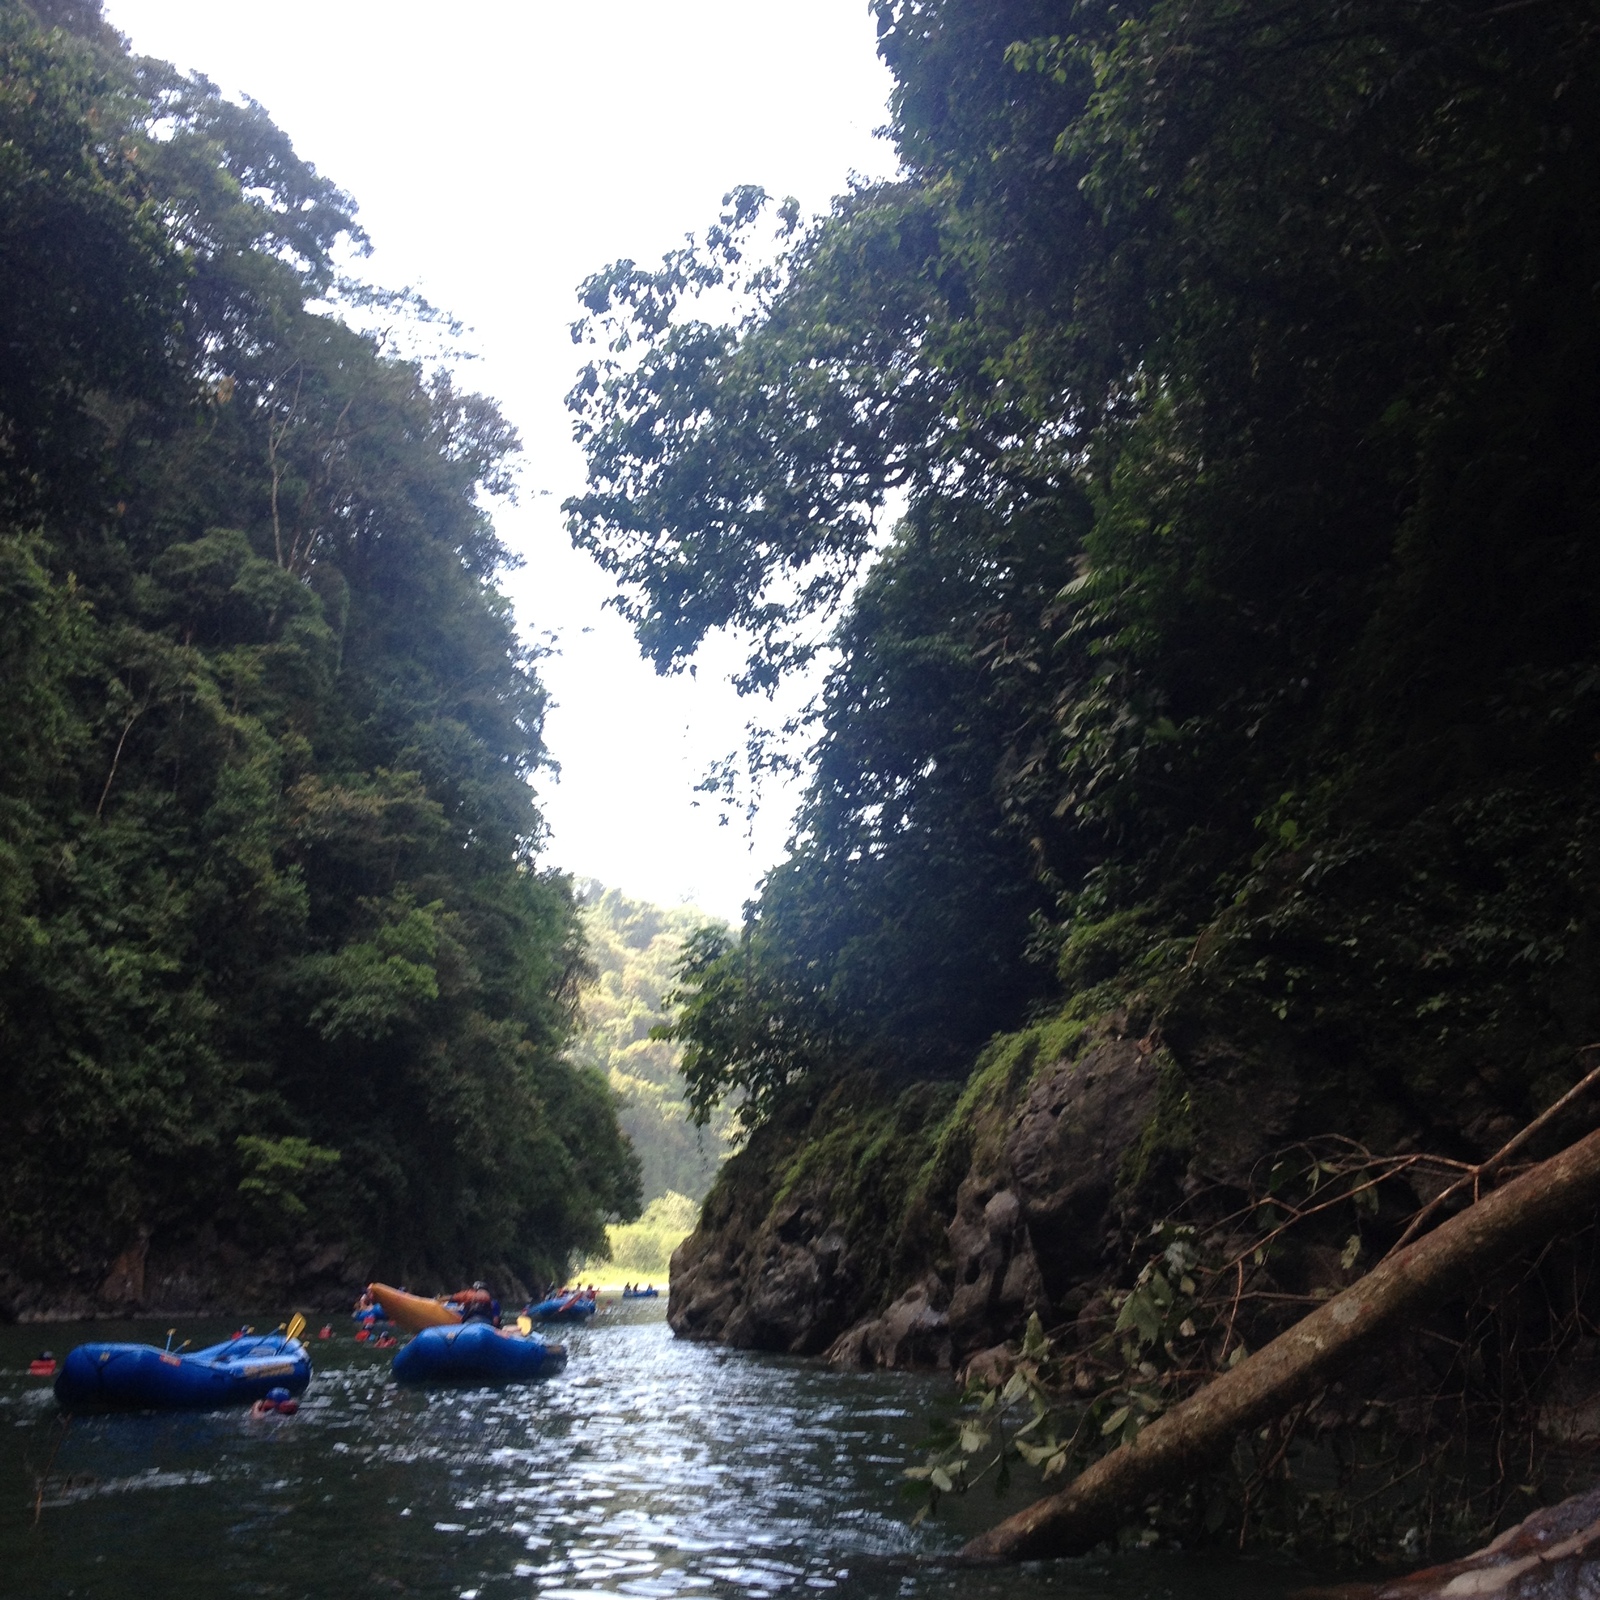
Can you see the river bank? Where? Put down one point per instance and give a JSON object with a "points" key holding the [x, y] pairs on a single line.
{"points": [[203, 1278], [1154, 1213]]}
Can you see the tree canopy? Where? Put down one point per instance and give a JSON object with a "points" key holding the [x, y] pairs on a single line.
{"points": [[276, 949], [1236, 363]]}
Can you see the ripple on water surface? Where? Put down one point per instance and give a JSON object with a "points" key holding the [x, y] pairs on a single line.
{"points": [[651, 1467]]}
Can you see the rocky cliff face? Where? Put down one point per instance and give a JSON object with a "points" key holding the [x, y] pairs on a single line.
{"points": [[1164, 1203], [893, 1226], [1014, 1200]]}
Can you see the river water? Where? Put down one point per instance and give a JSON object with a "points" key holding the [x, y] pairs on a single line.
{"points": [[651, 1467]]}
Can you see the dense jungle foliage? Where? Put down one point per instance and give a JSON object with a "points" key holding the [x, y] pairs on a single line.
{"points": [[1237, 656], [634, 952], [276, 951], [641, 1252]]}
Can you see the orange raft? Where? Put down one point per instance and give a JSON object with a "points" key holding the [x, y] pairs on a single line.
{"points": [[412, 1311]]}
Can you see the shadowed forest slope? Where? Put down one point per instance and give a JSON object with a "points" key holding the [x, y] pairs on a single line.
{"points": [[281, 976], [1206, 789]]}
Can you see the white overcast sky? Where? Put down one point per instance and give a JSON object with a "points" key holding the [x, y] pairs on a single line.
{"points": [[501, 150]]}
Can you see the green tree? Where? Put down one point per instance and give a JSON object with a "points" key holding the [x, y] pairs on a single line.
{"points": [[634, 951], [272, 892], [1266, 332]]}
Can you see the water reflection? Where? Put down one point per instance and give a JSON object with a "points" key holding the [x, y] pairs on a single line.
{"points": [[650, 1468]]}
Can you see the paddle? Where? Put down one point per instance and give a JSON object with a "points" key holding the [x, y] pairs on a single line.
{"points": [[524, 1324], [297, 1326]]}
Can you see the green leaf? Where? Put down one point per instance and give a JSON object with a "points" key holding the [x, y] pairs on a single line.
{"points": [[1140, 1314], [1035, 1346], [1015, 1388]]}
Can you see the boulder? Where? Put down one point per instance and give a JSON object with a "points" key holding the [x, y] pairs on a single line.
{"points": [[1552, 1555], [1069, 1149], [791, 1287], [913, 1332], [1034, 1223], [997, 1277]]}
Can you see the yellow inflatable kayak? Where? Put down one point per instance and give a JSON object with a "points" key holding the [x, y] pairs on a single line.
{"points": [[411, 1311]]}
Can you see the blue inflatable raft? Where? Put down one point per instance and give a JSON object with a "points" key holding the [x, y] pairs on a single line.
{"points": [[562, 1308], [143, 1377], [476, 1352]]}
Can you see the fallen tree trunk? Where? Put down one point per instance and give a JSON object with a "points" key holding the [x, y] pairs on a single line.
{"points": [[1294, 1366]]}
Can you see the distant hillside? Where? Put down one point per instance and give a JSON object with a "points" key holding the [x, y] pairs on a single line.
{"points": [[634, 947]]}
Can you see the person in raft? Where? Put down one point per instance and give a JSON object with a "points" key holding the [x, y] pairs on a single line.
{"points": [[477, 1305], [368, 1311]]}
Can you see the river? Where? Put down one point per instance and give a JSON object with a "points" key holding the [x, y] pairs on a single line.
{"points": [[651, 1467]]}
